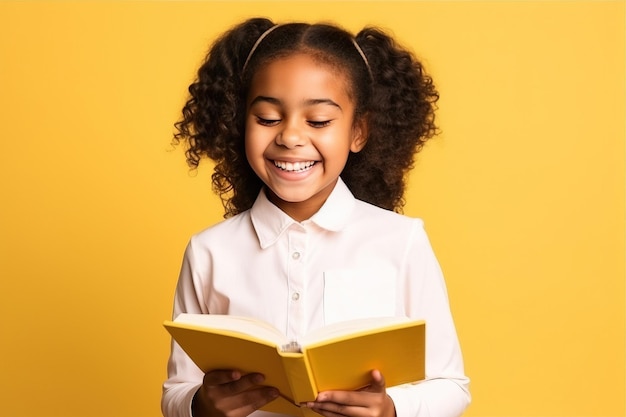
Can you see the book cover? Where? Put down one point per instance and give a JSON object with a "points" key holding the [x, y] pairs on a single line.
{"points": [[336, 357]]}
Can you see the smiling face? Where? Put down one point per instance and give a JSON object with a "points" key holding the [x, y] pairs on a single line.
{"points": [[299, 131]]}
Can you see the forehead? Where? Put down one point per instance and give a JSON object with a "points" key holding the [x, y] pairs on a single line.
{"points": [[301, 76]]}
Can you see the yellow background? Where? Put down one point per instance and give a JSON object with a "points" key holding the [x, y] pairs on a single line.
{"points": [[522, 194]]}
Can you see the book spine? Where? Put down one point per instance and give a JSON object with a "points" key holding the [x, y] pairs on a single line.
{"points": [[300, 377]]}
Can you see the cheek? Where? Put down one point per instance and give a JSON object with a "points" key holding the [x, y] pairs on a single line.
{"points": [[254, 147], [249, 147], [249, 134], [335, 143]]}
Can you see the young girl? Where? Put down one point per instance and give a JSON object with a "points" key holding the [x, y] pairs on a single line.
{"points": [[312, 131]]}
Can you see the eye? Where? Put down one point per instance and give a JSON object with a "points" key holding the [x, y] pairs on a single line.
{"points": [[267, 122], [318, 124]]}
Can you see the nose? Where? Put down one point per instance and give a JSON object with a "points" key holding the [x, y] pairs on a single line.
{"points": [[291, 136]]}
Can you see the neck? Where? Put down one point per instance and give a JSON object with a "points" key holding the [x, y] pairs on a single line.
{"points": [[301, 210]]}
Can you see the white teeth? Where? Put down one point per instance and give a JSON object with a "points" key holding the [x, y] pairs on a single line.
{"points": [[294, 166]]}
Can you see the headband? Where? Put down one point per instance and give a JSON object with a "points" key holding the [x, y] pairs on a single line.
{"points": [[360, 51], [270, 30], [256, 44]]}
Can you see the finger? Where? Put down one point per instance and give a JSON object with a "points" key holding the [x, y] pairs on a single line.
{"points": [[244, 383], [350, 398], [332, 409], [353, 404], [247, 402], [257, 398], [238, 398], [221, 376]]}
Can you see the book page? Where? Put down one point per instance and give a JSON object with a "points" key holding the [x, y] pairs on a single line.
{"points": [[236, 324], [350, 327], [264, 331]]}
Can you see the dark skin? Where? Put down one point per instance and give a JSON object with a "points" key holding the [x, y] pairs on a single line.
{"points": [[226, 393]]}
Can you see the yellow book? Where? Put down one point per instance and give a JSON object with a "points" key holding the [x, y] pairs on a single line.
{"points": [[336, 357]]}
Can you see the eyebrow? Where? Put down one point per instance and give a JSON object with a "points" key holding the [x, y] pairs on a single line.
{"points": [[309, 102]]}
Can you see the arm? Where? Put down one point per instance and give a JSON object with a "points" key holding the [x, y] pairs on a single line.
{"points": [[184, 377], [188, 391], [444, 392]]}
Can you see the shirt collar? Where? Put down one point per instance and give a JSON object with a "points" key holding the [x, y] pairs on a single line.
{"points": [[270, 222]]}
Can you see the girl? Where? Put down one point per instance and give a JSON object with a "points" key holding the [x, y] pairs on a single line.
{"points": [[312, 132]]}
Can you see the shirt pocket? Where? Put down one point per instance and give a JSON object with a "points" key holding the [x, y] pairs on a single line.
{"points": [[359, 293]]}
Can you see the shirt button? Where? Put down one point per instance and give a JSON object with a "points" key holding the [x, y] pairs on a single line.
{"points": [[295, 296], [295, 255]]}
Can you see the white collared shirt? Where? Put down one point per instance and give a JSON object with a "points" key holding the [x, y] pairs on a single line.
{"points": [[350, 260]]}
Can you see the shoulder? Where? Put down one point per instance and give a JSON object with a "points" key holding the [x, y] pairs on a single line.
{"points": [[227, 230], [383, 217], [387, 224]]}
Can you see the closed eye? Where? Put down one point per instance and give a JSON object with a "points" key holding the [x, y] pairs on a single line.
{"points": [[318, 124], [267, 122]]}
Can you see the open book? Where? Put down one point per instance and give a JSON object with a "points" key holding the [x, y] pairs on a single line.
{"points": [[336, 357]]}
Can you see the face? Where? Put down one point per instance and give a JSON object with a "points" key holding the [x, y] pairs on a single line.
{"points": [[300, 131]]}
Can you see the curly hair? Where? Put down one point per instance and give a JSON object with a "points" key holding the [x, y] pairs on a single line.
{"points": [[390, 88]]}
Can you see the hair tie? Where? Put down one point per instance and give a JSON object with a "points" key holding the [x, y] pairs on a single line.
{"points": [[256, 44]]}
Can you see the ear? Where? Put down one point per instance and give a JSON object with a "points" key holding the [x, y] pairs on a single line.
{"points": [[359, 134]]}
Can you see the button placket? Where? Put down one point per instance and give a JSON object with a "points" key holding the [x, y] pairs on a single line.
{"points": [[295, 260]]}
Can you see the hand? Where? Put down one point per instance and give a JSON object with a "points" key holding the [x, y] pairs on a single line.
{"points": [[227, 393], [371, 401]]}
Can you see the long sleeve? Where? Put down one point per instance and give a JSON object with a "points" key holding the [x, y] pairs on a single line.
{"points": [[445, 392], [184, 377]]}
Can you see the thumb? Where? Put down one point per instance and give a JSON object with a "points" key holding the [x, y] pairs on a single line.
{"points": [[377, 384]]}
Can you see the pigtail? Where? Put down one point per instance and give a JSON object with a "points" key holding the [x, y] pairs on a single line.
{"points": [[213, 117], [401, 117]]}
